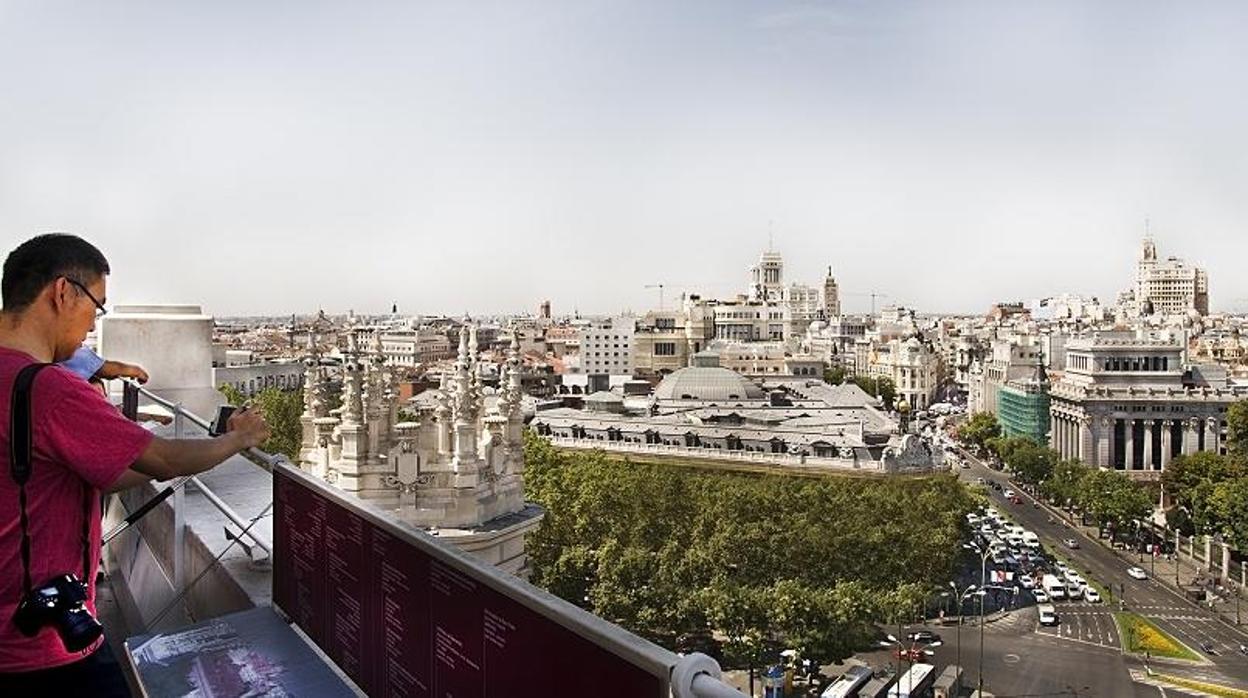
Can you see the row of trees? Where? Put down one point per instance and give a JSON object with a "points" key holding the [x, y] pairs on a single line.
{"points": [[1209, 491], [1113, 500], [755, 561], [1210, 495]]}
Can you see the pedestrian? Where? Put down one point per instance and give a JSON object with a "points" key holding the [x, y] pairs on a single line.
{"points": [[62, 445]]}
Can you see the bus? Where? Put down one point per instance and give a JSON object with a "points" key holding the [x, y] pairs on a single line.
{"points": [[847, 686], [915, 683]]}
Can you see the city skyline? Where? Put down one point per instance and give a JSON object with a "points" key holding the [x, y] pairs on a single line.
{"points": [[483, 160]]}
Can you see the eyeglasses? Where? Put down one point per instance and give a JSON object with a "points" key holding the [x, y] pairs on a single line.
{"points": [[100, 310]]}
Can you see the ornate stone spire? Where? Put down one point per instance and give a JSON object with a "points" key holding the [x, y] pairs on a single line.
{"points": [[352, 394], [513, 387], [311, 379]]}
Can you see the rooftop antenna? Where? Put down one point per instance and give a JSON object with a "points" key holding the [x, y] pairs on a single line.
{"points": [[770, 237]]}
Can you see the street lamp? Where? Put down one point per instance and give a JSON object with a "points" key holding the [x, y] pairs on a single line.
{"points": [[983, 553], [968, 591], [982, 593]]}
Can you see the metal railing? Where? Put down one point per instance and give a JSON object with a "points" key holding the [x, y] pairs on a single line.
{"points": [[130, 407], [691, 676]]}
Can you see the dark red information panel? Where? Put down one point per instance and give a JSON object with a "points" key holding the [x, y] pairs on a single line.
{"points": [[401, 623]]}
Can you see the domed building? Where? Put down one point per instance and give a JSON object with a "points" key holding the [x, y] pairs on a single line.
{"points": [[709, 412], [705, 380]]}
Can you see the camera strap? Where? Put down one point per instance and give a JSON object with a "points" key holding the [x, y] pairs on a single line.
{"points": [[21, 447]]}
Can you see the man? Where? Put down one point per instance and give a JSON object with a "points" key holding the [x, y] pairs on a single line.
{"points": [[53, 289]]}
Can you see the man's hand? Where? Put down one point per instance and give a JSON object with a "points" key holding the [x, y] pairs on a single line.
{"points": [[249, 424], [120, 369], [134, 371]]}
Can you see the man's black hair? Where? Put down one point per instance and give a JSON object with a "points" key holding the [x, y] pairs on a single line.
{"points": [[40, 260]]}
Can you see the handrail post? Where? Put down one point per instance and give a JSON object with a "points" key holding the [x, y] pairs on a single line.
{"points": [[130, 400], [179, 513], [697, 676]]}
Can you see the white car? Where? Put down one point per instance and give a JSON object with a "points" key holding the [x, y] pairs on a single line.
{"points": [[1073, 576], [1136, 573], [1048, 615], [1091, 595], [1008, 493], [1040, 596], [1027, 581]]}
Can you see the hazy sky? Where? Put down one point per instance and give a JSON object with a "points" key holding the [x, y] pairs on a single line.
{"points": [[283, 156]]}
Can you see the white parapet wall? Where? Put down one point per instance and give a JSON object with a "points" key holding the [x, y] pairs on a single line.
{"points": [[172, 342]]}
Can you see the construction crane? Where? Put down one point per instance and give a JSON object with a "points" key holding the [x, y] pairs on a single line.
{"points": [[873, 296], [660, 287]]}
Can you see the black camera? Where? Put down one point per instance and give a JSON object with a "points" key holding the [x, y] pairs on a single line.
{"points": [[220, 425], [61, 603]]}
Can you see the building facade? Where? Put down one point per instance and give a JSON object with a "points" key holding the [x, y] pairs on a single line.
{"points": [[1169, 286], [1023, 406], [1128, 402], [913, 365], [606, 349], [708, 412]]}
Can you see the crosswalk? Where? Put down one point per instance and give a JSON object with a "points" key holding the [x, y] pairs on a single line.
{"points": [[1093, 629]]}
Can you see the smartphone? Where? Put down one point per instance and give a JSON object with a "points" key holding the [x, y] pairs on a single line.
{"points": [[219, 425]]}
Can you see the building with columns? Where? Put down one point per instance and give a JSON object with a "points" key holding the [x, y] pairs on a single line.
{"points": [[1127, 401]]}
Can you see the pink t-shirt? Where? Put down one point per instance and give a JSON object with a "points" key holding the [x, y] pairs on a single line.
{"points": [[78, 436]]}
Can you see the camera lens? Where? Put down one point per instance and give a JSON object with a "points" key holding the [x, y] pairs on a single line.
{"points": [[78, 628]]}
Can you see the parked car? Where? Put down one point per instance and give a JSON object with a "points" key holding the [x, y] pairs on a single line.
{"points": [[1027, 581], [1039, 595], [1091, 595], [1136, 573]]}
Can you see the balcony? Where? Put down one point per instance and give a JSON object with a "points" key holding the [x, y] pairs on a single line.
{"points": [[258, 574]]}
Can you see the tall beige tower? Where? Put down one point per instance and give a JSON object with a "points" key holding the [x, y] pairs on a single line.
{"points": [[831, 300]]}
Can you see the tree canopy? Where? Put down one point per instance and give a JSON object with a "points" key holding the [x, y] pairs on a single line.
{"points": [[1113, 499], [834, 375], [1031, 461], [281, 409], [763, 560], [978, 429], [1191, 481], [1237, 430]]}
